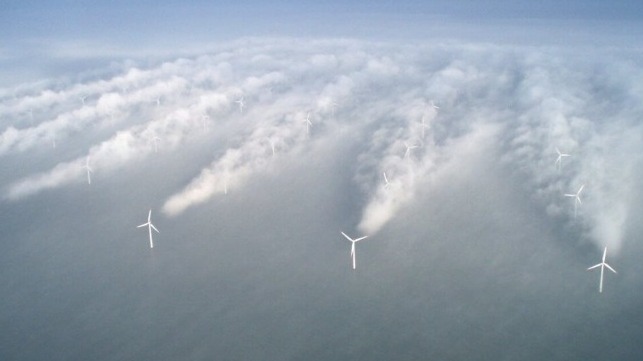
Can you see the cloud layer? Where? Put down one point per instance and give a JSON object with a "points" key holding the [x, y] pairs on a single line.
{"points": [[413, 111]]}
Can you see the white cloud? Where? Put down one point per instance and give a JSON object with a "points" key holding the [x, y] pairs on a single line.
{"points": [[520, 103]]}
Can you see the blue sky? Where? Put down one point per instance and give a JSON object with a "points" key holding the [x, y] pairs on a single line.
{"points": [[122, 20], [39, 38]]}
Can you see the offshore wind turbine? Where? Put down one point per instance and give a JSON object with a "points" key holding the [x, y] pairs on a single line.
{"points": [[423, 125], [602, 265], [150, 226], [333, 106], [353, 241], [576, 196], [89, 171], [559, 160], [155, 140], [272, 146], [204, 120], [308, 123], [387, 185], [408, 149], [241, 104]]}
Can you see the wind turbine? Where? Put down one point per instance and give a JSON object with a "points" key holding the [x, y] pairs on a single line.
{"points": [[308, 123], [577, 200], [158, 101], [89, 171], [408, 149], [82, 98], [333, 106], [241, 104], [272, 146], [434, 106], [423, 125], [602, 265], [150, 226], [559, 160], [204, 119], [386, 182], [353, 241], [155, 140]]}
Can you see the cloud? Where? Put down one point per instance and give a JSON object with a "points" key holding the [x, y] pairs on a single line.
{"points": [[516, 103]]}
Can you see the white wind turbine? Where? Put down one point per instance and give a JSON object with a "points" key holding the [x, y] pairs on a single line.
{"points": [[577, 201], [272, 146], [308, 123], [150, 226], [204, 121], [353, 241], [423, 126], [409, 147], [602, 265], [82, 99], [155, 140], [89, 170], [241, 104], [559, 160], [434, 106], [387, 185], [158, 101], [333, 107]]}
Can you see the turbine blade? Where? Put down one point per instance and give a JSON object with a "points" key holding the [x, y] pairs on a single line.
{"points": [[347, 237], [610, 268], [359, 239], [157, 231], [598, 265], [142, 225]]}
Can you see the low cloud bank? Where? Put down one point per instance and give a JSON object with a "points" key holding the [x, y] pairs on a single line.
{"points": [[413, 108]]}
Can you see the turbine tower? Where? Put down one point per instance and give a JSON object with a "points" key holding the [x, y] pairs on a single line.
{"points": [[423, 126], [150, 226], [353, 241], [602, 265]]}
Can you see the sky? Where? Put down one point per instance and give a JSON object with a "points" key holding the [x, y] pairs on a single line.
{"points": [[256, 134]]}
